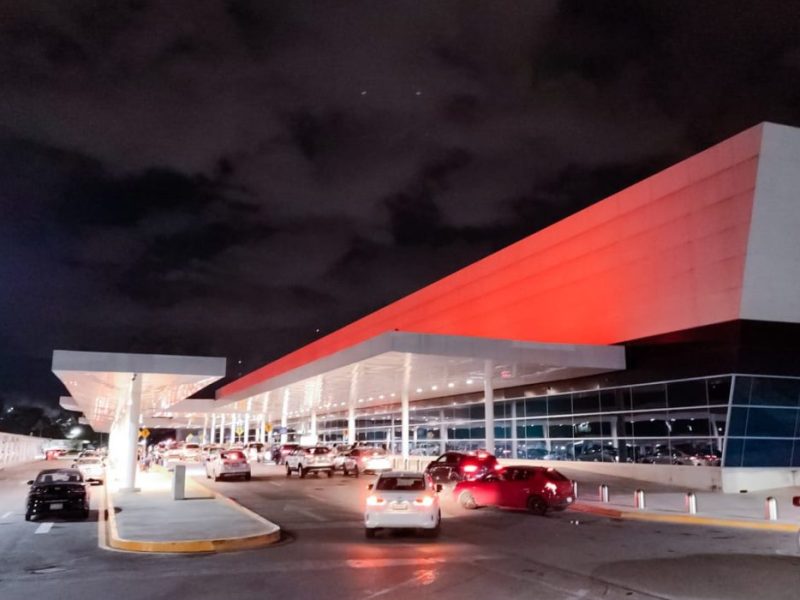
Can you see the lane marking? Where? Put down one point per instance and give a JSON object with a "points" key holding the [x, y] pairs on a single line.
{"points": [[276, 484], [6, 515], [44, 528]]}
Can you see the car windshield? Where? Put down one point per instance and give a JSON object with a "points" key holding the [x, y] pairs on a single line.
{"points": [[59, 477], [401, 484]]}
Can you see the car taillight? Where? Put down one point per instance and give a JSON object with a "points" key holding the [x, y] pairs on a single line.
{"points": [[498, 467], [424, 501], [470, 468], [375, 500], [482, 455]]}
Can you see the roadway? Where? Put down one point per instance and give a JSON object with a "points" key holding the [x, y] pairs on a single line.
{"points": [[482, 554]]}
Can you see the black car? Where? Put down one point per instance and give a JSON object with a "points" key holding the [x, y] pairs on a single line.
{"points": [[58, 492], [457, 466]]}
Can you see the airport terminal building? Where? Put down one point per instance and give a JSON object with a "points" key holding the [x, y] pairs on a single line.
{"points": [[654, 334], [659, 326]]}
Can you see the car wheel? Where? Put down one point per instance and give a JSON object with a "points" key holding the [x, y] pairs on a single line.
{"points": [[434, 533], [28, 516], [537, 506], [217, 477], [369, 533], [330, 473], [302, 472], [345, 472], [355, 471], [288, 471], [467, 500], [247, 477]]}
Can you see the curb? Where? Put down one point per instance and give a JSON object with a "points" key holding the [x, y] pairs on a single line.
{"points": [[231, 544], [614, 513]]}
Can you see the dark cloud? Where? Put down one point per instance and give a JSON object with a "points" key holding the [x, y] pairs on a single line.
{"points": [[229, 178]]}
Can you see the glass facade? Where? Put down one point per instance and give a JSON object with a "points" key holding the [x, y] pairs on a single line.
{"points": [[681, 422]]}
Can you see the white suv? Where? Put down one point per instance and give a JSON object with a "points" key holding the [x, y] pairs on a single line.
{"points": [[305, 460], [401, 500]]}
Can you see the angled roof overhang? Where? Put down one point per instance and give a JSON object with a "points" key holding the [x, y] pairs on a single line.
{"points": [[374, 372], [99, 381]]}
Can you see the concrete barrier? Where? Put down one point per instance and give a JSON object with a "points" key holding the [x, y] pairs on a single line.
{"points": [[17, 449]]}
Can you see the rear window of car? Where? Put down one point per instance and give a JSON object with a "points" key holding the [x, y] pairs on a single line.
{"points": [[318, 450], [401, 484], [88, 461], [59, 477]]}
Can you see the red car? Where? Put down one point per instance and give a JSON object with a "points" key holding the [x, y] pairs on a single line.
{"points": [[455, 466], [537, 489]]}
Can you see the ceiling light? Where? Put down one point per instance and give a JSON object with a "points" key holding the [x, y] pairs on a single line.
{"points": [[419, 390], [381, 396], [469, 381], [451, 384], [434, 387]]}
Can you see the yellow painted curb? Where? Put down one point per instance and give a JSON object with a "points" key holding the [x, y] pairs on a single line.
{"points": [[261, 540], [684, 519]]}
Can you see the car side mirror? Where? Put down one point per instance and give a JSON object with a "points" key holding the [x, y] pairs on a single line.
{"points": [[370, 486], [438, 487], [796, 501], [30, 482]]}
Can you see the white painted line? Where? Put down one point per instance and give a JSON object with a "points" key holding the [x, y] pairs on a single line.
{"points": [[44, 528], [6, 515], [275, 483]]}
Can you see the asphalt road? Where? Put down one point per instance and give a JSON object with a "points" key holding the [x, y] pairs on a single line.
{"points": [[484, 554]]}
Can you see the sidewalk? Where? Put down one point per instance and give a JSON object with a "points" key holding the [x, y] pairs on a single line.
{"points": [[668, 504], [151, 521]]}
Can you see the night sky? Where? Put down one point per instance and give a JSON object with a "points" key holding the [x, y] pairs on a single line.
{"points": [[237, 178]]}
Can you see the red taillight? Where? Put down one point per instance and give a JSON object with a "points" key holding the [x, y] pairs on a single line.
{"points": [[470, 468], [498, 467], [424, 501], [482, 455], [375, 500]]}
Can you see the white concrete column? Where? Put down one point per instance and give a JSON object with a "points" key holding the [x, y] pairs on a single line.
{"points": [[213, 427], [488, 402], [234, 425], [205, 429], [247, 421], [222, 429], [313, 426], [514, 441], [128, 468], [285, 417], [442, 433], [404, 407], [351, 425]]}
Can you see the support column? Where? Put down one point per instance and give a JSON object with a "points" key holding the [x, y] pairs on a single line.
{"points": [[234, 424], [514, 440], [351, 425], [128, 480], [205, 430], [222, 429], [285, 417], [442, 433], [313, 428], [213, 427], [488, 402], [247, 422], [404, 407]]}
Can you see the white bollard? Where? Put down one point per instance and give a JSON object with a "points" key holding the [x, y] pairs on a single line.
{"points": [[638, 499], [602, 492], [179, 483], [575, 489], [771, 509], [690, 502]]}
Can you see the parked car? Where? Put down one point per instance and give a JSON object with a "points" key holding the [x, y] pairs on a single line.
{"points": [[366, 460], [228, 463], [281, 451], [457, 466], [309, 460], [57, 492], [537, 489], [403, 501], [191, 453], [70, 455], [91, 468], [255, 452]]}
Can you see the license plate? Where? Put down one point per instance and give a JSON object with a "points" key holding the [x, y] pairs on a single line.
{"points": [[57, 506], [400, 506]]}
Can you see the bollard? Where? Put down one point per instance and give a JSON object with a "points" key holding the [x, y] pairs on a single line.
{"points": [[638, 499], [602, 492], [575, 489], [179, 483], [690, 502], [771, 509]]}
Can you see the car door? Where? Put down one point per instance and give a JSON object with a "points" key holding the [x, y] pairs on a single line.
{"points": [[516, 488], [487, 491]]}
